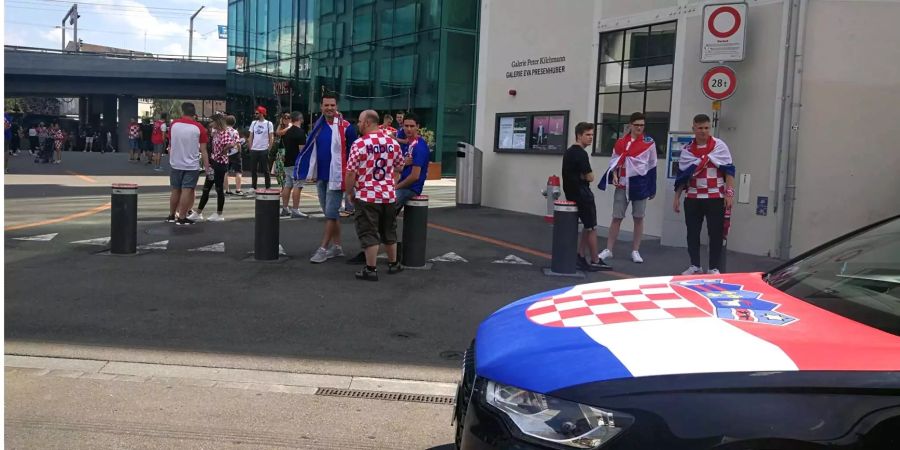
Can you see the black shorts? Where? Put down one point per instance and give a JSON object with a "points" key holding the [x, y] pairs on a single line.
{"points": [[376, 223], [235, 163], [587, 212]]}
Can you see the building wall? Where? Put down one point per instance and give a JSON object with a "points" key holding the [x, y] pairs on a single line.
{"points": [[514, 181], [848, 154]]}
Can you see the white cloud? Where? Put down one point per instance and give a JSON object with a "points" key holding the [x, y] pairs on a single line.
{"points": [[174, 49]]}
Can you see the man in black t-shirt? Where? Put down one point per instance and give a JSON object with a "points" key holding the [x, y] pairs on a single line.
{"points": [[293, 137], [146, 137], [577, 177]]}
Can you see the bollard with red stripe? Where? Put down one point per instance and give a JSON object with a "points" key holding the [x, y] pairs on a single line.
{"points": [[267, 225], [565, 240], [415, 232], [123, 219]]}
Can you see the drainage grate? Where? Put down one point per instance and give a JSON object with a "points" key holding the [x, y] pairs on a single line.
{"points": [[391, 396]]}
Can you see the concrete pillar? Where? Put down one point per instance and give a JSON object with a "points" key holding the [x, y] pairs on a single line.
{"points": [[94, 108], [128, 108], [110, 109]]}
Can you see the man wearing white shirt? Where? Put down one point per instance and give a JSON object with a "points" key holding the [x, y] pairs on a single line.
{"points": [[262, 136]]}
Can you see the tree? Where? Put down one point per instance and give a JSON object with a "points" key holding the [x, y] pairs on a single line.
{"points": [[166, 105]]}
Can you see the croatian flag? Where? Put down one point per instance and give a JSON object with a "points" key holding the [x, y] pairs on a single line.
{"points": [[322, 135], [638, 158], [695, 159]]}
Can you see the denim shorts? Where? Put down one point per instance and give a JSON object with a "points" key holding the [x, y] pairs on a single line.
{"points": [[183, 179], [134, 144], [158, 148], [329, 200], [289, 182], [620, 204], [403, 196]]}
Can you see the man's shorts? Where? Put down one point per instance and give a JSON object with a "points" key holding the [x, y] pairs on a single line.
{"points": [[587, 212], [158, 148], [376, 223], [235, 163], [329, 200], [133, 144], [620, 204], [183, 179], [289, 182]]}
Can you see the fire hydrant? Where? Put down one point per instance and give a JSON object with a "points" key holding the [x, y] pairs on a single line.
{"points": [[552, 193]]}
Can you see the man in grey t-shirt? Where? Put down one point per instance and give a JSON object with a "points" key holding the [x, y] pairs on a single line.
{"points": [[262, 136]]}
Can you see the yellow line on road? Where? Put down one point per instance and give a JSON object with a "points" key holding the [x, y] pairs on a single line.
{"points": [[82, 177], [89, 212]]}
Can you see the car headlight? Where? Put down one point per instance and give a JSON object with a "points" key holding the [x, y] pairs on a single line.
{"points": [[555, 420]]}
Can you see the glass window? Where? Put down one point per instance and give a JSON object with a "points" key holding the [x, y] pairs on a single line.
{"points": [[405, 20], [386, 23], [360, 79], [431, 14], [461, 14], [326, 7], [634, 75], [232, 35], [362, 25]]}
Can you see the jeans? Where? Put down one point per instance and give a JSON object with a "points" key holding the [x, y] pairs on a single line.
{"points": [[258, 157], [218, 181], [713, 210]]}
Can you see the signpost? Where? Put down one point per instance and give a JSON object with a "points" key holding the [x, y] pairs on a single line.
{"points": [[724, 32]]}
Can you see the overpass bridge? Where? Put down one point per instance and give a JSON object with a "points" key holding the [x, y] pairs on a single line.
{"points": [[110, 83]]}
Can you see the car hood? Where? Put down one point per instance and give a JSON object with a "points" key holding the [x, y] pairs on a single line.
{"points": [[646, 327]]}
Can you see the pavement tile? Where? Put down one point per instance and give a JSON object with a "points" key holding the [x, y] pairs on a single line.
{"points": [[131, 378], [293, 389], [232, 375], [38, 362], [66, 373], [402, 386], [98, 376]]}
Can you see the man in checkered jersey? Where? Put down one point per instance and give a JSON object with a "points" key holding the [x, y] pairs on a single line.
{"points": [[706, 175], [372, 170]]}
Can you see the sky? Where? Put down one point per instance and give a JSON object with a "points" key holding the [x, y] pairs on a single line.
{"points": [[158, 26]]}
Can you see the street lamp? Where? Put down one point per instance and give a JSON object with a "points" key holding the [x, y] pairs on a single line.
{"points": [[191, 34], [72, 17]]}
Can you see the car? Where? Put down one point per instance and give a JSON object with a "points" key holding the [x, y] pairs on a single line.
{"points": [[806, 356]]}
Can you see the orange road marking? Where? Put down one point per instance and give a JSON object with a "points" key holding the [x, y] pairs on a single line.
{"points": [[89, 212], [82, 177], [511, 246]]}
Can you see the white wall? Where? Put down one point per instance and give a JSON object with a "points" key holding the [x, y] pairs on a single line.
{"points": [[848, 171], [516, 29]]}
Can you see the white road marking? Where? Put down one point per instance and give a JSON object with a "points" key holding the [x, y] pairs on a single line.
{"points": [[40, 237]]}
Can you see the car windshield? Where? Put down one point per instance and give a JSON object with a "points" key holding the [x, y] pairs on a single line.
{"points": [[857, 277]]}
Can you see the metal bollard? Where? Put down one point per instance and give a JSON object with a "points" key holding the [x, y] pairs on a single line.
{"points": [[267, 225], [415, 232], [123, 220], [565, 240]]}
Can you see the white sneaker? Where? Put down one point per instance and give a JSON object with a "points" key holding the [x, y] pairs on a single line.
{"points": [[297, 214], [713, 272], [693, 270], [320, 256], [216, 217], [334, 251], [195, 216], [605, 254], [636, 257]]}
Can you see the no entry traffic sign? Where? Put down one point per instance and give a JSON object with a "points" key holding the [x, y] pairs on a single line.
{"points": [[724, 30], [719, 83]]}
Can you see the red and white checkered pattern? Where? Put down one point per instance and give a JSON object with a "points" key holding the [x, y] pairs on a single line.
{"points": [[374, 157], [608, 305], [221, 141], [707, 184], [134, 131]]}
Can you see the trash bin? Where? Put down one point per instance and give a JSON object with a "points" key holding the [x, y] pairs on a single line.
{"points": [[468, 175]]}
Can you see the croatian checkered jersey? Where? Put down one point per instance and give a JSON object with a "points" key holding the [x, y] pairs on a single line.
{"points": [[374, 157], [708, 183], [134, 131], [221, 141]]}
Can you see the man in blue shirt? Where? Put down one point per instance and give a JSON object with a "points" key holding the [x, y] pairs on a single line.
{"points": [[417, 155]]}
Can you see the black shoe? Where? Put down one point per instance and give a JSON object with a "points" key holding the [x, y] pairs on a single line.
{"points": [[367, 275], [170, 219], [581, 264], [360, 258], [394, 268], [598, 266], [184, 222]]}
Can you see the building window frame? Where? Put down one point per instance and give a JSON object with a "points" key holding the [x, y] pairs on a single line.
{"points": [[642, 60]]}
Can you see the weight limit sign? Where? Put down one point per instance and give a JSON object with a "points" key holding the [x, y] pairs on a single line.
{"points": [[718, 83]]}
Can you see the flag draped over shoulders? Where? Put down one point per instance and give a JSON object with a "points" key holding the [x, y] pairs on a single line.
{"points": [[694, 159], [306, 165], [638, 158]]}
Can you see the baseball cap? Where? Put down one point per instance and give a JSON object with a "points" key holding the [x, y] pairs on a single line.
{"points": [[261, 110]]}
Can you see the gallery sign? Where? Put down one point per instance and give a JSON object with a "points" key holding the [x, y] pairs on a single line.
{"points": [[545, 65]]}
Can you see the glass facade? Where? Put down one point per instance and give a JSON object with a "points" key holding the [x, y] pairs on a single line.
{"points": [[386, 55]]}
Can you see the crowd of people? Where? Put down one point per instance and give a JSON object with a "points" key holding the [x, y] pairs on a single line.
{"points": [[46, 141], [369, 170]]}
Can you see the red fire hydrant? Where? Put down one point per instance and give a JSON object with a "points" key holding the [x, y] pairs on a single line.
{"points": [[552, 193]]}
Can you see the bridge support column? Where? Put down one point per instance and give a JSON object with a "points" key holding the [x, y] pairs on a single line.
{"points": [[128, 108]]}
